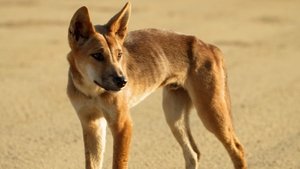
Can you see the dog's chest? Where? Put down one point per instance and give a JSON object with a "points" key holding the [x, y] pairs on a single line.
{"points": [[136, 99]]}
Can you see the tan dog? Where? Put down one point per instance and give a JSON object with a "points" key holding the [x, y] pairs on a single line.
{"points": [[112, 70]]}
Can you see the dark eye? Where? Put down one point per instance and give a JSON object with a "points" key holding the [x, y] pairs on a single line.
{"points": [[120, 55], [98, 56]]}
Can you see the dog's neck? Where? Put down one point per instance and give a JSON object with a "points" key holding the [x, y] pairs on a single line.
{"points": [[81, 86]]}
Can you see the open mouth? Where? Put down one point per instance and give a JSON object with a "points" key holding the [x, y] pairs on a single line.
{"points": [[97, 83], [107, 89]]}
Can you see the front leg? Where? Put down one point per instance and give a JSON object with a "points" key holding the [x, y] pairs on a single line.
{"points": [[94, 133], [121, 128]]}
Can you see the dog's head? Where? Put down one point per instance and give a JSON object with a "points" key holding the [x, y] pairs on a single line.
{"points": [[96, 51]]}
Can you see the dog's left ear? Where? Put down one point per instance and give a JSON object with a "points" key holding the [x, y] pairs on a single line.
{"points": [[118, 24], [80, 28]]}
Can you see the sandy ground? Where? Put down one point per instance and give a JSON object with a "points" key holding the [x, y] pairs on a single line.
{"points": [[260, 38]]}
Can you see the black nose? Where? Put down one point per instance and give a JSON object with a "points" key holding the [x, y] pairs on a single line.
{"points": [[120, 81]]}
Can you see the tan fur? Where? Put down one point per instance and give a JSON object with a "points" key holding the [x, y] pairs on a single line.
{"points": [[190, 71]]}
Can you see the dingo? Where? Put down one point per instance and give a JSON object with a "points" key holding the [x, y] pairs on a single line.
{"points": [[111, 70]]}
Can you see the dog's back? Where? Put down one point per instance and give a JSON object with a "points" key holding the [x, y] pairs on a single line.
{"points": [[159, 58]]}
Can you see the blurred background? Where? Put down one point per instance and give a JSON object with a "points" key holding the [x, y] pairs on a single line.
{"points": [[260, 39]]}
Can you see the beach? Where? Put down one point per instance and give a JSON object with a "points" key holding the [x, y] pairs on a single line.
{"points": [[39, 128]]}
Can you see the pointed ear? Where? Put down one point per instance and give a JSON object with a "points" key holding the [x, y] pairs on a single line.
{"points": [[80, 28], [118, 24]]}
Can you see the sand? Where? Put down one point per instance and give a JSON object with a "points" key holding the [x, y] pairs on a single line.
{"points": [[260, 39]]}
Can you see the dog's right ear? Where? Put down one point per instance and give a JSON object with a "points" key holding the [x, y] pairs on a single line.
{"points": [[80, 28], [118, 23]]}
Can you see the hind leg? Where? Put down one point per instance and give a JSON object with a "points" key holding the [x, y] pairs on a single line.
{"points": [[176, 106], [211, 101]]}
